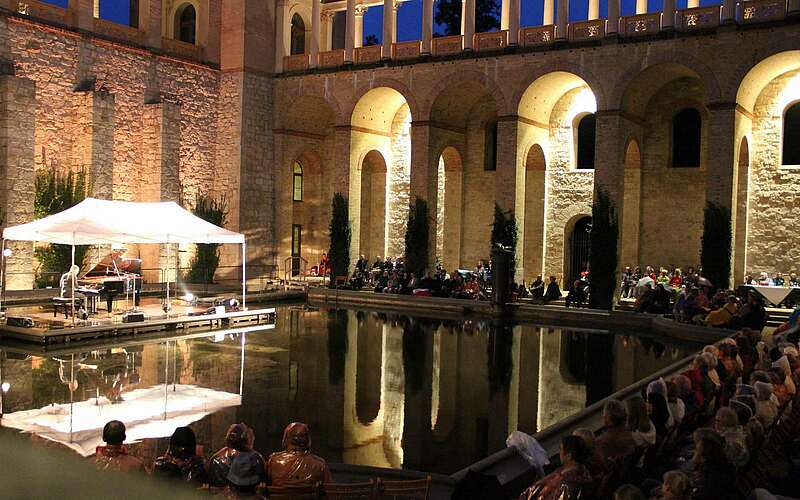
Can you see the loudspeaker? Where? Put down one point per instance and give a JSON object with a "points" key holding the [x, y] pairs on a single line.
{"points": [[19, 322], [133, 317]]}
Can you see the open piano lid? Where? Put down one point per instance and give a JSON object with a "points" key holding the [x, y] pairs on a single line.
{"points": [[114, 264]]}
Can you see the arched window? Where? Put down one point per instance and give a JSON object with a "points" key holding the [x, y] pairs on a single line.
{"points": [[585, 145], [298, 35], [186, 23], [791, 135], [297, 182], [490, 146], [686, 132]]}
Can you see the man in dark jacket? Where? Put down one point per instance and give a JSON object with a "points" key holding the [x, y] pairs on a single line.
{"points": [[114, 455]]}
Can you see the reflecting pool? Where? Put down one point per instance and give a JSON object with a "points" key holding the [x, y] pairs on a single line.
{"points": [[376, 389]]}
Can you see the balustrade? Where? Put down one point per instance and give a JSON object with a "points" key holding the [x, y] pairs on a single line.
{"points": [[368, 54], [406, 50], [643, 24], [446, 45], [331, 58], [760, 11], [699, 18], [42, 10], [296, 62], [587, 30], [491, 40], [536, 36]]}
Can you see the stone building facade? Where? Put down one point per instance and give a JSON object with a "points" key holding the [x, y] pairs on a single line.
{"points": [[465, 123]]}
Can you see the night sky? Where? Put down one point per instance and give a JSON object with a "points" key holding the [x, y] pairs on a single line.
{"points": [[409, 24]]}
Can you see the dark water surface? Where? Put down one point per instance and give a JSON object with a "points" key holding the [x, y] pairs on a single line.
{"points": [[376, 389]]}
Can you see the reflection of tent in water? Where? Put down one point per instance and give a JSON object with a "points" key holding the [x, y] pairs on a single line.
{"points": [[147, 413]]}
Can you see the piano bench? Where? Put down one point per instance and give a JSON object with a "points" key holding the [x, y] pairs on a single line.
{"points": [[65, 303]]}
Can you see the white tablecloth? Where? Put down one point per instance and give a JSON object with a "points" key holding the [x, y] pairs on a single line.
{"points": [[774, 294]]}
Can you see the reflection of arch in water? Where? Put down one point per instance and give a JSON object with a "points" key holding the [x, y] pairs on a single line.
{"points": [[572, 365], [368, 369], [445, 382], [558, 397]]}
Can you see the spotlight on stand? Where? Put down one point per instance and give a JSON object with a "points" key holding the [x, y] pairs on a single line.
{"points": [[7, 253], [190, 299], [5, 386]]}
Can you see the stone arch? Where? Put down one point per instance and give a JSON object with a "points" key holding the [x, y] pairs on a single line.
{"points": [[753, 74], [663, 67], [173, 17], [448, 207], [790, 140], [410, 97], [373, 205], [459, 77], [739, 221], [569, 231], [555, 74], [381, 121]]}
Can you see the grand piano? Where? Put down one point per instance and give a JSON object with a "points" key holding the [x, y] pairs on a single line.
{"points": [[114, 276]]}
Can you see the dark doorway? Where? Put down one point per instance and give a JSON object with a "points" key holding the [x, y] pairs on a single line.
{"points": [[578, 250], [297, 231]]}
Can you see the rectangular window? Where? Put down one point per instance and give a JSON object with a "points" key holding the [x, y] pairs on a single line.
{"points": [[490, 146], [119, 11]]}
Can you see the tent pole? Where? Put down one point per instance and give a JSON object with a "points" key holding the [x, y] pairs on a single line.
{"points": [[2, 275], [168, 255], [244, 275], [72, 282]]}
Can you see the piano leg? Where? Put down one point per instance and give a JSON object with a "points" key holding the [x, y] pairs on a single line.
{"points": [[110, 302]]}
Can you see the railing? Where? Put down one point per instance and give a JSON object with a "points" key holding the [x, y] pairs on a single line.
{"points": [[535, 36], [288, 269], [117, 31], [760, 11], [587, 30], [331, 58], [446, 45], [490, 40], [368, 54], [406, 50], [296, 62], [640, 25], [699, 18]]}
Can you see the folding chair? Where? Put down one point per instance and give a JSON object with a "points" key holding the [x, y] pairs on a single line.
{"points": [[417, 489], [351, 491], [294, 492]]}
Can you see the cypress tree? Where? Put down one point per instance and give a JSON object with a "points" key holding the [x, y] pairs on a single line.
{"points": [[416, 248], [339, 252], [603, 252], [715, 246], [505, 232], [206, 261]]}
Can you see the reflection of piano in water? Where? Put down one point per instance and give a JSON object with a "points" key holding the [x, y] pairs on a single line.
{"points": [[112, 277]]}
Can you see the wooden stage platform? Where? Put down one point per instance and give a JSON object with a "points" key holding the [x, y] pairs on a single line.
{"points": [[183, 319]]}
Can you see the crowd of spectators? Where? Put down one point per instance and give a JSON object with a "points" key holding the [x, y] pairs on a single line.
{"points": [[728, 423], [236, 471]]}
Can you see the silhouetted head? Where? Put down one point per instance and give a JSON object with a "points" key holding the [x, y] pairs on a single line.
{"points": [[238, 437], [114, 433], [296, 437], [183, 443]]}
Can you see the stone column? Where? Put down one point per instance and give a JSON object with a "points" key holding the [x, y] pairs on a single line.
{"points": [[513, 22], [93, 146], [161, 142], [506, 177], [424, 176], [690, 4], [562, 18], [547, 17], [281, 18], [668, 16], [722, 170], [612, 26], [359, 26], [17, 192], [349, 32], [427, 26], [469, 23], [82, 13], [641, 7], [594, 10], [395, 7], [327, 30], [150, 21], [315, 28], [728, 11], [388, 28]]}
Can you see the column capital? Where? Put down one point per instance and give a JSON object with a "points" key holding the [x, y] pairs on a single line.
{"points": [[327, 15], [361, 10], [396, 4]]}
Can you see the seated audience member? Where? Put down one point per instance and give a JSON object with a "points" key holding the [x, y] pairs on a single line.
{"points": [[626, 284], [553, 292], [571, 481], [751, 315], [713, 477], [778, 281], [645, 300], [764, 280], [238, 439], [615, 442], [734, 437], [662, 278], [659, 413], [642, 429], [181, 460], [537, 288], [766, 409], [595, 463], [324, 265], [296, 465], [676, 281], [794, 279], [628, 492], [677, 408], [676, 486], [577, 294], [245, 475], [114, 455], [382, 282], [721, 317], [661, 300]]}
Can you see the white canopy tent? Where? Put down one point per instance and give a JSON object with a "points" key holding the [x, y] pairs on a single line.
{"points": [[102, 222]]}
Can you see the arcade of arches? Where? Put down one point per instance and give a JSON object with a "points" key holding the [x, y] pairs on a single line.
{"points": [[658, 150]]}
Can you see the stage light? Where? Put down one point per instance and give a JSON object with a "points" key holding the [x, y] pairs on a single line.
{"points": [[189, 297], [7, 252], [5, 387]]}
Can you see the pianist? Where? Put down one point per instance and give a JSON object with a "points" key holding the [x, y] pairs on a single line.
{"points": [[69, 285]]}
